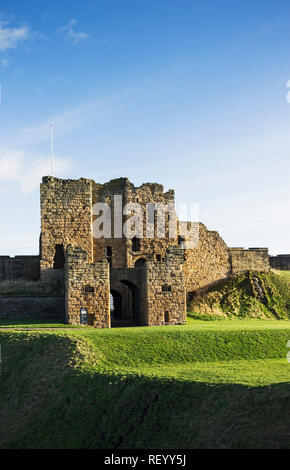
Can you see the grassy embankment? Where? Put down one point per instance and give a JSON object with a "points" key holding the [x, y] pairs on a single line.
{"points": [[250, 295], [209, 384]]}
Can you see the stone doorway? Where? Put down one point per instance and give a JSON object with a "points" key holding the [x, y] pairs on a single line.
{"points": [[125, 304]]}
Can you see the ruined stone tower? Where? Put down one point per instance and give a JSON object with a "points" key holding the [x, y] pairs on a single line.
{"points": [[140, 278]]}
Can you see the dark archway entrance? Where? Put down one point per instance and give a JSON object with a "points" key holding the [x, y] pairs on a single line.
{"points": [[140, 263], [125, 304]]}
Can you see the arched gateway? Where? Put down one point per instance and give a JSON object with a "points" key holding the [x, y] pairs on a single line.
{"points": [[125, 304], [127, 297], [153, 295]]}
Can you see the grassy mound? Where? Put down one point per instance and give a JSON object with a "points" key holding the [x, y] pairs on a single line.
{"points": [[203, 385], [249, 295]]}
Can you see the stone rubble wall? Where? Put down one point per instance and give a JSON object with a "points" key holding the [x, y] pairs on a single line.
{"points": [[123, 255], [66, 218], [150, 247], [166, 307], [79, 274], [281, 262], [105, 194], [32, 307], [253, 259], [208, 262], [19, 267]]}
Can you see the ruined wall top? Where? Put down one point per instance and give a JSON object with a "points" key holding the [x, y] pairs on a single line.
{"points": [[114, 185], [53, 180]]}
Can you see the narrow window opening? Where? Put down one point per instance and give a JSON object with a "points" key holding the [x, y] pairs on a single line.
{"points": [[109, 254], [59, 258], [135, 244], [108, 251], [89, 289], [166, 288], [180, 240]]}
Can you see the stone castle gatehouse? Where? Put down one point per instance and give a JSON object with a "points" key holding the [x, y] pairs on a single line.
{"points": [[141, 281], [138, 280]]}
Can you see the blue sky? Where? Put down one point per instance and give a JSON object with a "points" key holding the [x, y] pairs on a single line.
{"points": [[191, 94]]}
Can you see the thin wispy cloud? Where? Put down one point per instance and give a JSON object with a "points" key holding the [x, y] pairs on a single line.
{"points": [[72, 34], [26, 169], [10, 37], [64, 123], [4, 62]]}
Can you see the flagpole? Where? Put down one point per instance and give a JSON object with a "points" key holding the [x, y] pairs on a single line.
{"points": [[51, 149]]}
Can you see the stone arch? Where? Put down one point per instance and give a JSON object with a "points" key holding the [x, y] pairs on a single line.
{"points": [[140, 262]]}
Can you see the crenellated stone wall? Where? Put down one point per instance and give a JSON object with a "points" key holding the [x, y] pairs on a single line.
{"points": [[87, 285]]}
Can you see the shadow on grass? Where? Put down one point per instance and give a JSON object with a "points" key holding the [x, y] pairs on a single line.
{"points": [[33, 322], [52, 398]]}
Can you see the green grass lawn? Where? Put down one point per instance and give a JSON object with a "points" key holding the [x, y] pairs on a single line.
{"points": [[282, 273], [217, 352], [35, 323], [208, 384]]}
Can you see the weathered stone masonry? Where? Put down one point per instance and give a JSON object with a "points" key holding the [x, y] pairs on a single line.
{"points": [[145, 281], [281, 262], [87, 285], [253, 259], [208, 262], [25, 306], [20, 267], [66, 217], [165, 290]]}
